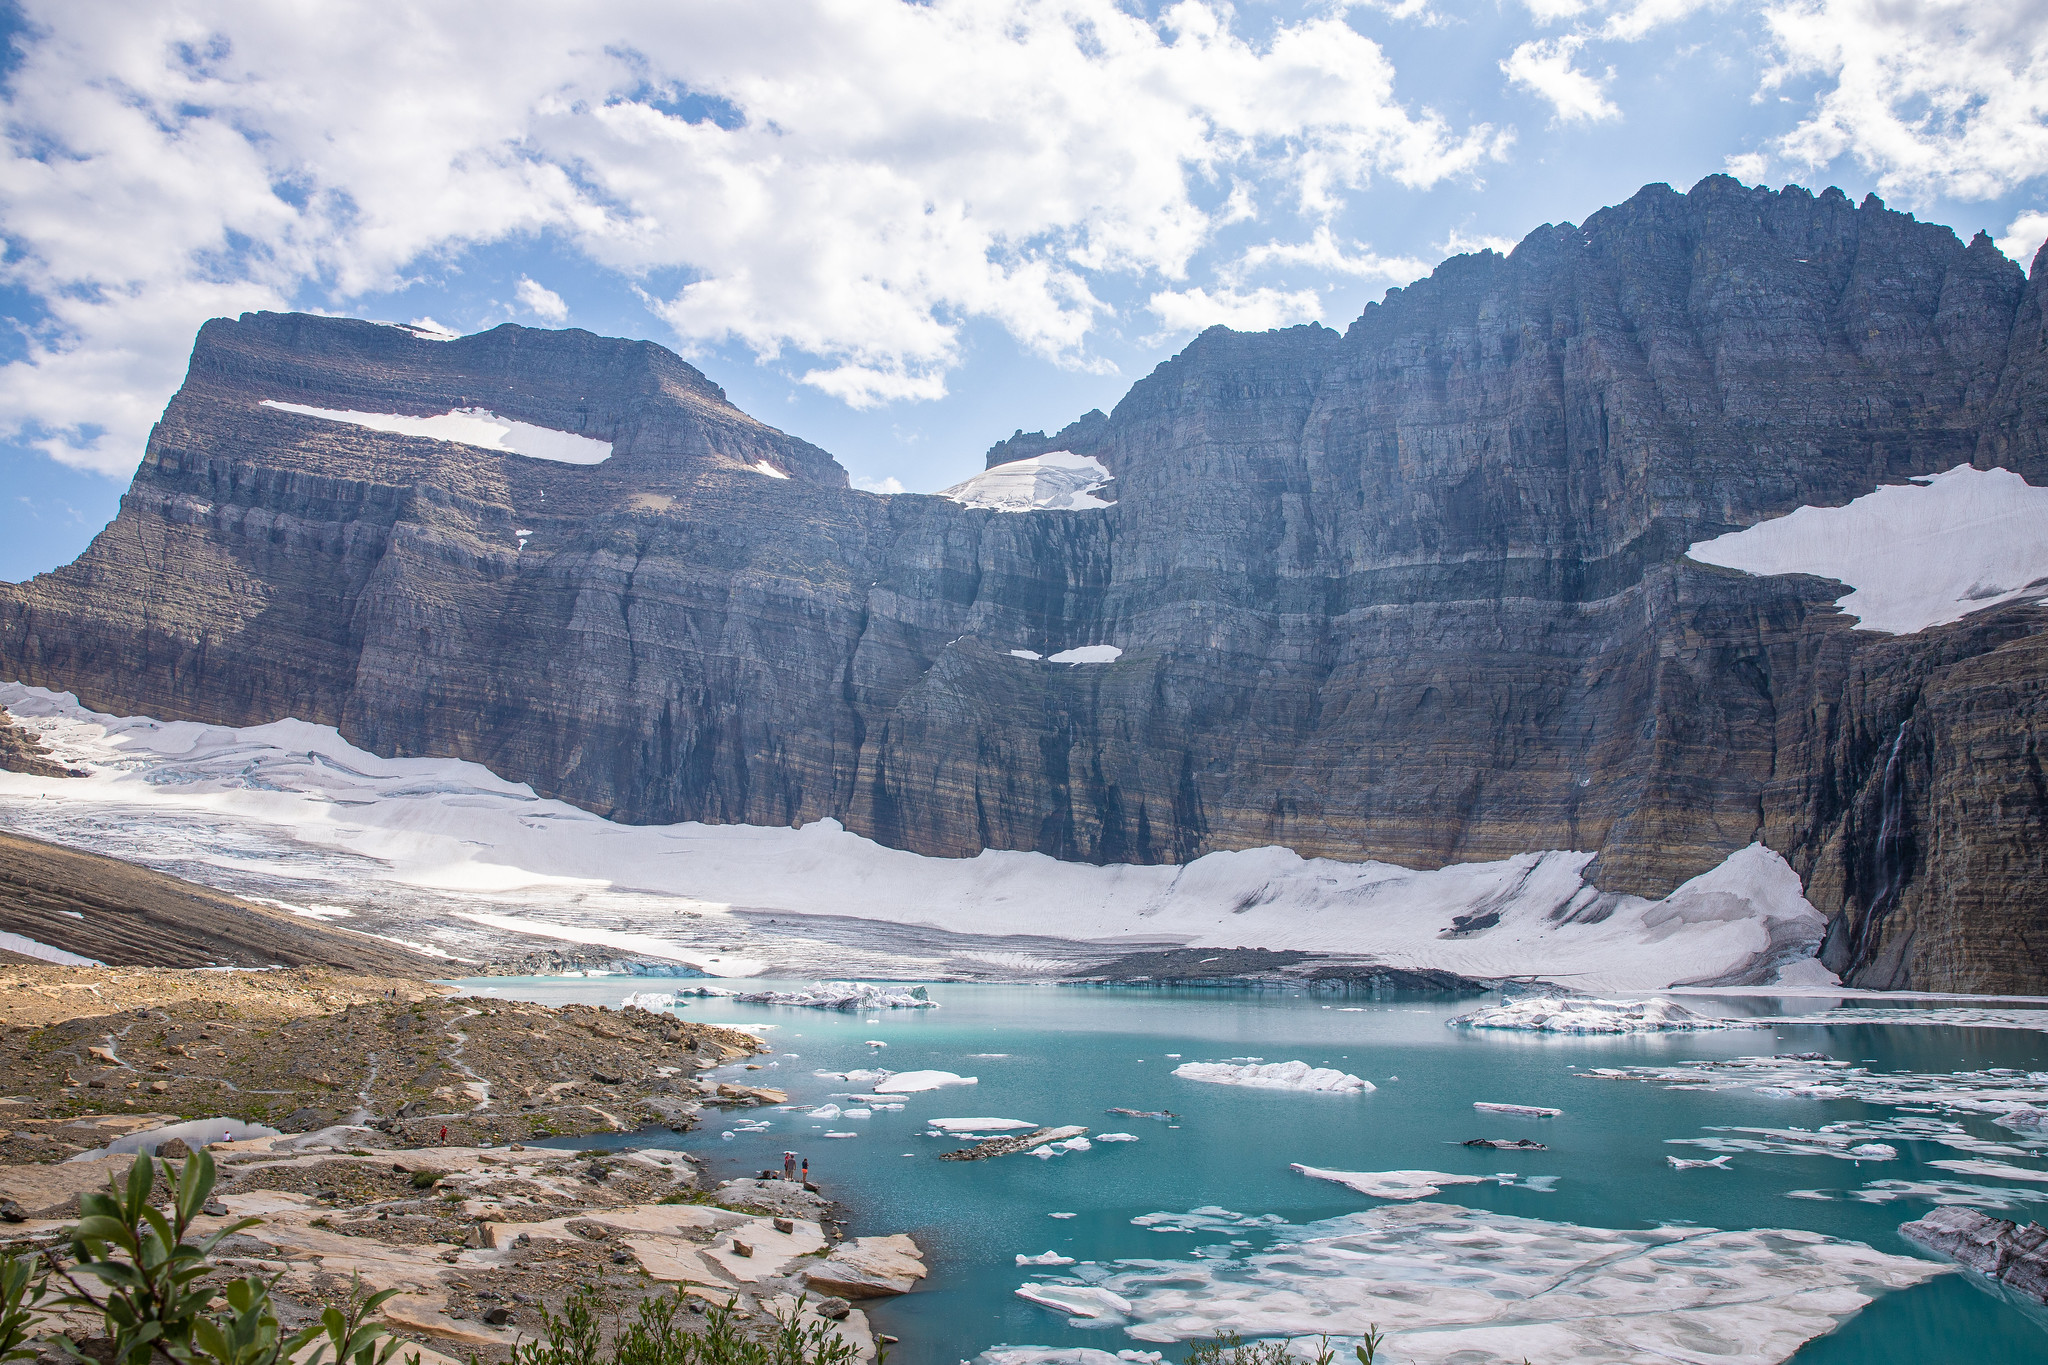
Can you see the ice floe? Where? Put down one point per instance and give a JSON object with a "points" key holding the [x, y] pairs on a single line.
{"points": [[1547, 1014], [914, 1082], [1520, 1111], [1995, 1091], [470, 427], [649, 1000], [1057, 481], [1391, 1184], [1044, 1258], [830, 995], [1718, 1163], [1450, 1284], [1916, 555], [957, 1126], [1932, 1192], [1275, 1076], [443, 854], [1850, 1141], [1116, 1137]]}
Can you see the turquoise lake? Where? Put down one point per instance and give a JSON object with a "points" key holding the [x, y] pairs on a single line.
{"points": [[1066, 1055]]}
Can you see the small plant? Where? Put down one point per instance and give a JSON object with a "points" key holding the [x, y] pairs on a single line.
{"points": [[425, 1180], [1230, 1348], [1368, 1347]]}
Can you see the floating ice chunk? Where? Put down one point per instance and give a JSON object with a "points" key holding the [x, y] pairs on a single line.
{"points": [[1994, 1091], [1044, 1258], [1452, 1284], [1086, 654], [856, 1113], [1392, 1184], [470, 427], [854, 1077], [1116, 1137], [1917, 555], [911, 1082], [1539, 1014], [1998, 1170], [1520, 1111], [1060, 1215], [1078, 1301], [980, 1125], [1719, 1163], [1275, 1076], [842, 1135], [824, 1111], [1881, 1151], [844, 995], [874, 1042], [1057, 481], [649, 1000]]}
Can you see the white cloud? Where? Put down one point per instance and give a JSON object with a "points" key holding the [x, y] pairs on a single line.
{"points": [[891, 485], [1932, 96], [1458, 244], [1325, 255], [1545, 68], [1626, 23], [1748, 167], [878, 175], [541, 301], [2024, 235], [1254, 310]]}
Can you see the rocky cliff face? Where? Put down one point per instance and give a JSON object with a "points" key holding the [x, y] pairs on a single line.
{"points": [[1414, 592]]}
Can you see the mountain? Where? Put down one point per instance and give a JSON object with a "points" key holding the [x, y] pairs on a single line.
{"points": [[1419, 591]]}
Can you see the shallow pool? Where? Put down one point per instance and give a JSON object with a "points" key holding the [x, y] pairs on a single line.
{"points": [[1067, 1055]]}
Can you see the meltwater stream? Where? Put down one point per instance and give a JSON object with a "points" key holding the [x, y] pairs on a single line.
{"points": [[1595, 1249]]}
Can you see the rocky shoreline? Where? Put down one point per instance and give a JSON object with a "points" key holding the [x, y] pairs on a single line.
{"points": [[408, 1157]]}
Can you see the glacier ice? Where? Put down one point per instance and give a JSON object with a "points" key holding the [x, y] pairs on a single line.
{"points": [[1275, 1076], [1545, 1014]]}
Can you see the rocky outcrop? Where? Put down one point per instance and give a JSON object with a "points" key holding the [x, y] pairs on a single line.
{"points": [[2013, 1255], [1414, 592]]}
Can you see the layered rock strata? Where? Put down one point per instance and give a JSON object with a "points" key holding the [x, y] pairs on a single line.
{"points": [[1414, 592]]}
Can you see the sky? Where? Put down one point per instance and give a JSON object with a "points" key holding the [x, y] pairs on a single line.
{"points": [[898, 230]]}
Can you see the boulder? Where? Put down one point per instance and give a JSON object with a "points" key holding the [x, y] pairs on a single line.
{"points": [[868, 1268]]}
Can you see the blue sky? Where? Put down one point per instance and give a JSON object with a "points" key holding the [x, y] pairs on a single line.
{"points": [[899, 231]]}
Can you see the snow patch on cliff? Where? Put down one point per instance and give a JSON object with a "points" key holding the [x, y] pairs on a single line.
{"points": [[1057, 481], [1917, 555], [472, 427], [445, 854]]}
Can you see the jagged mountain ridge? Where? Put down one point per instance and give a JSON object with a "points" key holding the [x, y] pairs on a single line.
{"points": [[1415, 592]]}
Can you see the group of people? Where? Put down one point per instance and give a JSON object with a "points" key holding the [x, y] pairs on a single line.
{"points": [[789, 1167]]}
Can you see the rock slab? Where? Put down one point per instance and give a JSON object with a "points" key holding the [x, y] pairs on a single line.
{"points": [[2013, 1255]]}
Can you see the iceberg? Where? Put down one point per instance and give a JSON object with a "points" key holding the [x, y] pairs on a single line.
{"points": [[842, 995], [1392, 1184], [954, 1126], [1543, 1014], [1275, 1076], [1450, 1284], [912, 1082], [1520, 1111], [1044, 1258], [1679, 1163]]}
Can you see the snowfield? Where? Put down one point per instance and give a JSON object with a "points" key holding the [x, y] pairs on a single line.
{"points": [[474, 427], [1057, 481], [447, 856], [1917, 555]]}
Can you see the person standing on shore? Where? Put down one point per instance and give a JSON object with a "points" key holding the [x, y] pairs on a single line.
{"points": [[807, 1170], [789, 1165]]}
